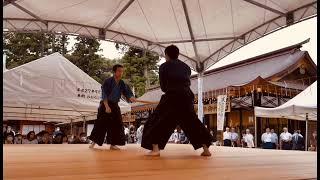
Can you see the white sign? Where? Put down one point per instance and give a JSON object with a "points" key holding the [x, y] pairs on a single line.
{"points": [[221, 108]]}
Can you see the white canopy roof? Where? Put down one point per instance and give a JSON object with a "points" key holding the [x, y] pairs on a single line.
{"points": [[51, 89], [205, 30], [295, 108]]}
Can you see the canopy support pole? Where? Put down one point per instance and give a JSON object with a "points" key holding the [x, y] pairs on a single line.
{"points": [[84, 124], [71, 128], [200, 104], [306, 138], [255, 131]]}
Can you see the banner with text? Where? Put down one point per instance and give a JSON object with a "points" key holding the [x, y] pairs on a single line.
{"points": [[221, 107]]}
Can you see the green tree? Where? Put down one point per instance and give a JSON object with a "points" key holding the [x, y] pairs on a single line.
{"points": [[22, 48], [86, 58], [141, 69]]}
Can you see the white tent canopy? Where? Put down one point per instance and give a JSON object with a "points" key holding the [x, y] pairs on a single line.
{"points": [[296, 108], [51, 89], [205, 30]]}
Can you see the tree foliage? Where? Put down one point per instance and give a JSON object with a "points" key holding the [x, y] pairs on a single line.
{"points": [[141, 69]]}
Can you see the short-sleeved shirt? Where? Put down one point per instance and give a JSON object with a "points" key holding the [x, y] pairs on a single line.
{"points": [[285, 136], [112, 91]]}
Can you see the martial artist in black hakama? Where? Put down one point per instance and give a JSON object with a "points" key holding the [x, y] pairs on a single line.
{"points": [[176, 107], [110, 123]]}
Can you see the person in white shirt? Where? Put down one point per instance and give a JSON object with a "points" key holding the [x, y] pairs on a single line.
{"points": [[274, 139], [31, 138], [266, 139], [227, 137], [139, 134], [172, 137], [234, 137], [126, 133], [297, 141], [285, 139], [248, 138]]}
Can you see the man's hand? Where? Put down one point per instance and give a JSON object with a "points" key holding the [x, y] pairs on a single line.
{"points": [[132, 99], [108, 110]]}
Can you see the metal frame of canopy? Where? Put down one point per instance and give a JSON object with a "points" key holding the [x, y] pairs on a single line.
{"points": [[46, 25]]}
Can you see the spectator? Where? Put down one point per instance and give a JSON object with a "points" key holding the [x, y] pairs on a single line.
{"points": [[45, 138], [70, 139], [82, 139], [132, 134], [227, 137], [126, 133], [31, 138], [234, 137], [274, 139], [18, 139], [8, 131], [171, 139], [248, 138], [297, 141], [180, 137], [64, 139], [139, 134], [56, 132], [313, 142], [285, 139], [243, 142], [266, 139], [58, 138], [9, 139]]}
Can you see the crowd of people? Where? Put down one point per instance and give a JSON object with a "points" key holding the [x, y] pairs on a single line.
{"points": [[43, 137], [270, 140]]}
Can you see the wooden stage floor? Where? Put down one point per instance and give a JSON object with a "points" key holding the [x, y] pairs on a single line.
{"points": [[176, 162]]}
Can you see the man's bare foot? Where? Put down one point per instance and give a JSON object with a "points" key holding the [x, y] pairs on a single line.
{"points": [[92, 145], [153, 153], [206, 153], [114, 148]]}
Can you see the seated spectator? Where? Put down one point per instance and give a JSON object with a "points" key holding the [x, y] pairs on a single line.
{"points": [[132, 134], [64, 139], [8, 131], [58, 138], [18, 139], [9, 139], [171, 139], [313, 142], [31, 138], [82, 139], [70, 139], [180, 137], [45, 138]]}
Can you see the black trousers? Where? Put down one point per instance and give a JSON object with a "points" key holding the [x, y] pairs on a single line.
{"points": [[227, 142], [175, 108], [268, 145], [110, 123], [286, 145]]}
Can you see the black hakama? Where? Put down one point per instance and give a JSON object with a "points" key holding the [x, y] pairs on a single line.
{"points": [[110, 123], [175, 108]]}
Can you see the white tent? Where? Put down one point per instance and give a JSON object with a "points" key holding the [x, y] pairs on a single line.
{"points": [[296, 108], [51, 89], [205, 30]]}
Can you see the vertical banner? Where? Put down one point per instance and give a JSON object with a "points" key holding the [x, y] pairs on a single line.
{"points": [[221, 108]]}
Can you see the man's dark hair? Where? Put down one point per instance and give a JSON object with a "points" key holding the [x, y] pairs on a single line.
{"points": [[115, 67], [172, 51]]}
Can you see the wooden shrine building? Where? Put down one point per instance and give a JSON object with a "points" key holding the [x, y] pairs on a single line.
{"points": [[268, 80]]}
